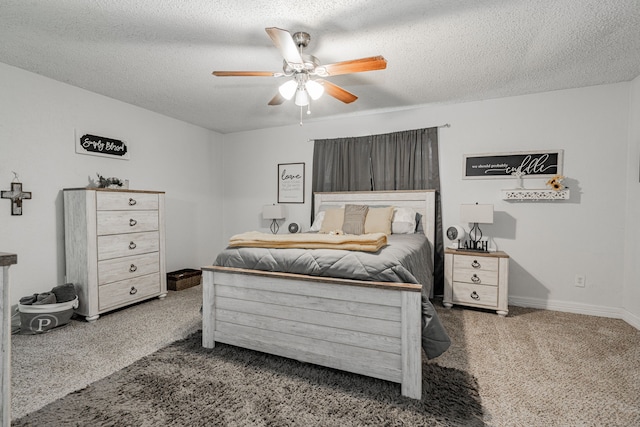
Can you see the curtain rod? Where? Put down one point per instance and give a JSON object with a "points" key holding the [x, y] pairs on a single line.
{"points": [[446, 125]]}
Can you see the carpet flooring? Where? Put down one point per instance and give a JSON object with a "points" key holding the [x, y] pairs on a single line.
{"points": [[532, 368], [187, 385]]}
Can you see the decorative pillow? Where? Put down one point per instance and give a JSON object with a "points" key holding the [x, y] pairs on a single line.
{"points": [[317, 222], [419, 223], [333, 219], [378, 220], [354, 216], [403, 221]]}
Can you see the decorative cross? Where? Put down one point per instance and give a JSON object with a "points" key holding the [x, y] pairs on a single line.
{"points": [[16, 195]]}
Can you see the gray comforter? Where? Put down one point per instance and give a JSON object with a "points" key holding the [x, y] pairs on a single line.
{"points": [[405, 259]]}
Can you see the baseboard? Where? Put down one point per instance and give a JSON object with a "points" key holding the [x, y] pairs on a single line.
{"points": [[631, 319], [570, 307]]}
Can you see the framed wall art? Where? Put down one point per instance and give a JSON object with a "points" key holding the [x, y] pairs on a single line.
{"points": [[291, 183], [538, 164]]}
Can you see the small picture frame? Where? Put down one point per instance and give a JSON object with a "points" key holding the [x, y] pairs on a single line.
{"points": [[291, 183]]}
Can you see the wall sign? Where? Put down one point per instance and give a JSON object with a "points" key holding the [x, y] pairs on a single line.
{"points": [[95, 145], [291, 183], [539, 164]]}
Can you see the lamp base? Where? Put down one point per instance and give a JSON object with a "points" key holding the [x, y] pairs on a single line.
{"points": [[274, 226]]}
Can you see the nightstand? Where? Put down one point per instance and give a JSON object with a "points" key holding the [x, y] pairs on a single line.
{"points": [[476, 279]]}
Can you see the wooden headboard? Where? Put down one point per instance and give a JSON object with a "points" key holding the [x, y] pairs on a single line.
{"points": [[422, 201]]}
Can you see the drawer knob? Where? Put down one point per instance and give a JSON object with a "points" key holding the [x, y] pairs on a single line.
{"points": [[475, 264], [133, 290], [475, 296], [475, 279], [132, 245], [133, 268], [132, 202], [132, 222]]}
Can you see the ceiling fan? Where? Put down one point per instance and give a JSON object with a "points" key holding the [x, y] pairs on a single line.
{"points": [[306, 70]]}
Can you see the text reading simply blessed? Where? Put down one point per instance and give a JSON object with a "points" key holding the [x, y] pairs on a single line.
{"points": [[100, 144]]}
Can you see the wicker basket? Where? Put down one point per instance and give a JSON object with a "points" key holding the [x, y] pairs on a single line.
{"points": [[183, 279]]}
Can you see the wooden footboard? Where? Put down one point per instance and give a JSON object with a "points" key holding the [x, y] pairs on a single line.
{"points": [[369, 328]]}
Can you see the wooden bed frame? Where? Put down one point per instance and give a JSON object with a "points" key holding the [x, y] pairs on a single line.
{"points": [[369, 328]]}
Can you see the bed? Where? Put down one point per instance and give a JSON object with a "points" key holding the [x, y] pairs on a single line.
{"points": [[367, 326]]}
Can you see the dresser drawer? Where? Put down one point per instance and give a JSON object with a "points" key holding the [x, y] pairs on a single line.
{"points": [[123, 245], [465, 293], [117, 269], [117, 222], [117, 201], [128, 291]]}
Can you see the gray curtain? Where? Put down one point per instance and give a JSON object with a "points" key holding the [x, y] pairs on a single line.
{"points": [[341, 165], [406, 160]]}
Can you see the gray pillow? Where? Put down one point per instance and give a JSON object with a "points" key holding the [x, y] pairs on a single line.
{"points": [[354, 216]]}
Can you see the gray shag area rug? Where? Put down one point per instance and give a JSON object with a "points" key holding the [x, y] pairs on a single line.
{"points": [[184, 384]]}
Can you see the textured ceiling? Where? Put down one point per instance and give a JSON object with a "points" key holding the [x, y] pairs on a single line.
{"points": [[159, 54]]}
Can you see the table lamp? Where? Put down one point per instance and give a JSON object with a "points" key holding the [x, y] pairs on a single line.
{"points": [[476, 214], [274, 213]]}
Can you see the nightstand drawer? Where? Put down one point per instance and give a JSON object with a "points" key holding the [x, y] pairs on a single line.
{"points": [[473, 263], [118, 201], [465, 293], [476, 277]]}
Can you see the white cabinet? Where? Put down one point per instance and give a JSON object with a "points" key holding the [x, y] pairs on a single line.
{"points": [[476, 279], [114, 246]]}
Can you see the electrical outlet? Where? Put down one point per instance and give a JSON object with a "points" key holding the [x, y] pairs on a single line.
{"points": [[580, 280]]}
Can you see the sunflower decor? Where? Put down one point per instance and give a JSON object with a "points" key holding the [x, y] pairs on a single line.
{"points": [[555, 182]]}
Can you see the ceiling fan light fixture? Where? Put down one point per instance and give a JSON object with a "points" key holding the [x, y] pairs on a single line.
{"points": [[302, 98], [315, 89], [288, 89]]}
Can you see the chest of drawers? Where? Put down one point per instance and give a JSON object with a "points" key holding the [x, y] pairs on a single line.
{"points": [[114, 247], [476, 279]]}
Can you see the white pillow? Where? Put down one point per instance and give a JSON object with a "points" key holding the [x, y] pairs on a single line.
{"points": [[317, 222], [403, 221]]}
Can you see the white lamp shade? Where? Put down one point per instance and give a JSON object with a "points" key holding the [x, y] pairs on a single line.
{"points": [[315, 89], [482, 214], [273, 212], [302, 98], [288, 89]]}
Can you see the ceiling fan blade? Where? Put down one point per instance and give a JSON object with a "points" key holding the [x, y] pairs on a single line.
{"points": [[277, 100], [245, 73], [288, 48], [356, 66], [337, 92]]}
